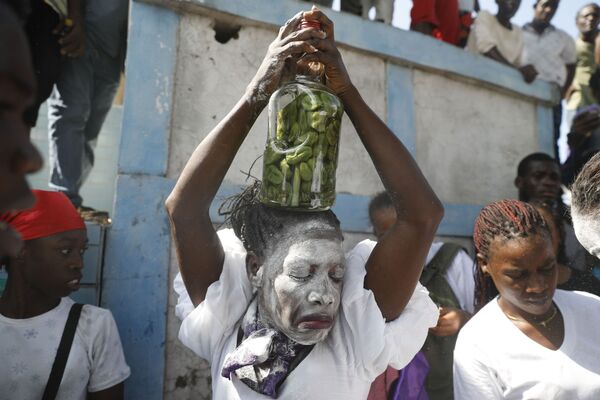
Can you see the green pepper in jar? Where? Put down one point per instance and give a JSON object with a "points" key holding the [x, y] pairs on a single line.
{"points": [[310, 101], [305, 172], [308, 138], [285, 169], [305, 186], [296, 188], [272, 156], [273, 175], [318, 120], [294, 132], [302, 153]]}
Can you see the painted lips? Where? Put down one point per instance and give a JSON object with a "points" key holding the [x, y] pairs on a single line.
{"points": [[315, 322]]}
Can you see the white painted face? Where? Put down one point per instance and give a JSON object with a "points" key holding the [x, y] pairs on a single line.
{"points": [[301, 286], [587, 230]]}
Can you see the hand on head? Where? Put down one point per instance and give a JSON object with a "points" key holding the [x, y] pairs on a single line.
{"points": [[293, 47]]}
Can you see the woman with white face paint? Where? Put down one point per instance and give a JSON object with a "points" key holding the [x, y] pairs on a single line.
{"points": [[585, 206], [302, 321]]}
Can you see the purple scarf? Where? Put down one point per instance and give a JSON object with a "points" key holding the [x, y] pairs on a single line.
{"points": [[262, 360]]}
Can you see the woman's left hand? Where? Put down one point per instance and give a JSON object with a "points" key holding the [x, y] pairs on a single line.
{"points": [[280, 61]]}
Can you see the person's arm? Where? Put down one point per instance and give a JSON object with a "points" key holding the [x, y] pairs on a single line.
{"points": [[495, 54], [397, 260], [527, 71], [72, 44], [597, 49], [451, 320], [199, 251], [569, 81], [112, 393]]}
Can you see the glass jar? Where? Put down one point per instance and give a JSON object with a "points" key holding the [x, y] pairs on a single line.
{"points": [[300, 158]]}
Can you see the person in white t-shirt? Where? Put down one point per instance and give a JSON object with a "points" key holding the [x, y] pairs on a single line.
{"points": [[532, 341], [497, 38], [552, 53], [34, 308], [280, 312]]}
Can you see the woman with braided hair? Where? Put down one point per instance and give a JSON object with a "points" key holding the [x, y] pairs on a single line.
{"points": [[274, 305], [531, 341]]}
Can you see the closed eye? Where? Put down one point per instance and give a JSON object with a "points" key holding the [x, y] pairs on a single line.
{"points": [[300, 278]]}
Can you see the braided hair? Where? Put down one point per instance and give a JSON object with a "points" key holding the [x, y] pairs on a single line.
{"points": [[261, 227], [504, 220]]}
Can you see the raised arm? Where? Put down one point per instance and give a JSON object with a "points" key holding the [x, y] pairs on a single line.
{"points": [[197, 246], [395, 264]]}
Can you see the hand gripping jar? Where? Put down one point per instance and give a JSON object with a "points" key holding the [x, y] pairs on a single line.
{"points": [[300, 158]]}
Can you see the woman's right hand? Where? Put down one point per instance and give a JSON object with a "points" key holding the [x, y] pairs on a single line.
{"points": [[279, 64]]}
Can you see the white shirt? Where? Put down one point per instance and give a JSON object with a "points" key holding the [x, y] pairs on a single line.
{"points": [[28, 348], [359, 347], [459, 276], [549, 52], [487, 33], [493, 359]]}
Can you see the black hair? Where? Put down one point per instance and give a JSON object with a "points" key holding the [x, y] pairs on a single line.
{"points": [[380, 201], [504, 219], [260, 227], [586, 6], [523, 167], [585, 191], [535, 3], [556, 212]]}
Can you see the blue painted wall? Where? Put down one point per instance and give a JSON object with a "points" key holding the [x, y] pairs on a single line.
{"points": [[135, 281]]}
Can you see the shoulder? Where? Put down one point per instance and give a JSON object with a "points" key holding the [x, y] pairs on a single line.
{"points": [[476, 329], [564, 36], [578, 299], [96, 322], [484, 15], [362, 250]]}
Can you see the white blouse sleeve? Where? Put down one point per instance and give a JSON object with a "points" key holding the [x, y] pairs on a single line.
{"points": [[225, 303], [375, 342]]}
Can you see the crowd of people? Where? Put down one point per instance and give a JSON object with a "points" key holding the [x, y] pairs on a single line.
{"points": [[272, 302]]}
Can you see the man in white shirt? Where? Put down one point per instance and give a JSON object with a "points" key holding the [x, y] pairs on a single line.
{"points": [[552, 53], [497, 38]]}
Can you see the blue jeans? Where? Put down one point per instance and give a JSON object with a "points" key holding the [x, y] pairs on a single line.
{"points": [[77, 107]]}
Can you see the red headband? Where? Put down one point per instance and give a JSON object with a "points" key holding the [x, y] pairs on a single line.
{"points": [[53, 213]]}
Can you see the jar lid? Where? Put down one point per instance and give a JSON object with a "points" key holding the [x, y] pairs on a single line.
{"points": [[310, 24]]}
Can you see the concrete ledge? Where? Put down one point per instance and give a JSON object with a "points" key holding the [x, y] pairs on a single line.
{"points": [[397, 45]]}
